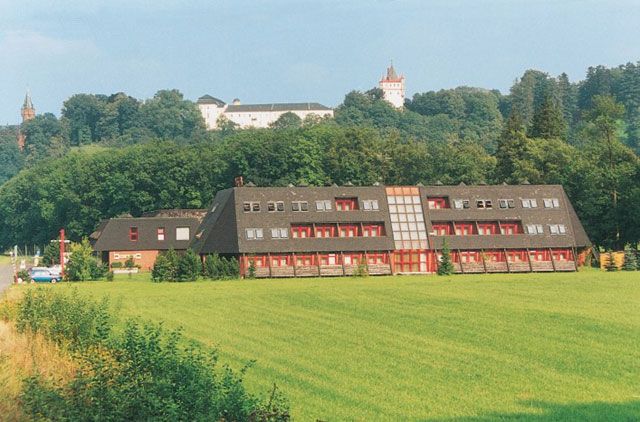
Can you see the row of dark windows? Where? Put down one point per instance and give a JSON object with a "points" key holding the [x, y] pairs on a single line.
{"points": [[443, 202], [469, 228], [341, 204]]}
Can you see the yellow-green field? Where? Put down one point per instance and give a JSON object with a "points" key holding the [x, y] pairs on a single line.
{"points": [[533, 346]]}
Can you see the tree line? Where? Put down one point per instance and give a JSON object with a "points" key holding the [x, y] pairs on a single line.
{"points": [[156, 154]]}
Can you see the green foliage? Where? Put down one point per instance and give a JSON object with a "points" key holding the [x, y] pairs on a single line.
{"points": [[630, 259], [287, 120], [610, 264], [109, 276], [189, 266], [361, 270], [129, 263], [220, 268], [24, 276], [51, 254], [445, 265], [166, 267], [116, 265], [548, 121], [97, 270], [144, 373], [11, 160], [251, 271], [82, 265]]}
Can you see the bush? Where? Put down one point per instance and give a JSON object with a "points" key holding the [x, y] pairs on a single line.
{"points": [[216, 267], [81, 262], [130, 263], [610, 264], [251, 272], [116, 265], [98, 270], [361, 270], [24, 276], [630, 259], [143, 373], [189, 266], [445, 265], [51, 254], [109, 276]]}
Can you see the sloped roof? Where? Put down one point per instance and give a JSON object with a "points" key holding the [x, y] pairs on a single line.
{"points": [[208, 99], [276, 107]]}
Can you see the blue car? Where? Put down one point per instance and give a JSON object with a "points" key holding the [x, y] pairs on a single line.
{"points": [[44, 275]]}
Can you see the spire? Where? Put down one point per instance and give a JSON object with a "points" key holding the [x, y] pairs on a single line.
{"points": [[27, 101], [391, 72]]}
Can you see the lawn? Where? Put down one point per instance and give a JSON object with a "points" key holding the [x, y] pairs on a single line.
{"points": [[535, 346]]}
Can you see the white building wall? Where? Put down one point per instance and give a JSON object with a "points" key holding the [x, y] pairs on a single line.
{"points": [[393, 92], [211, 113], [262, 119]]}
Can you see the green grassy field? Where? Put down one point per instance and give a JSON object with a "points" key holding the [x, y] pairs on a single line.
{"points": [[530, 346]]}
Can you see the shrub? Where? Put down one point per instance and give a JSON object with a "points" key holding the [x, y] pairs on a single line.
{"points": [[361, 270], [116, 265], [610, 264], [216, 267], [130, 263], [51, 254], [109, 276], [189, 266], [24, 276], [251, 272], [98, 270], [445, 265], [80, 262], [630, 259], [143, 373]]}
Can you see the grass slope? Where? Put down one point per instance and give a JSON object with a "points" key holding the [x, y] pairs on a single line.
{"points": [[531, 346]]}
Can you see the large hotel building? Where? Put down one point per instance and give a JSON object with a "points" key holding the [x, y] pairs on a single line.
{"points": [[334, 231]]}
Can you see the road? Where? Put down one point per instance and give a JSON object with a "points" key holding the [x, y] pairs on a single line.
{"points": [[6, 276]]}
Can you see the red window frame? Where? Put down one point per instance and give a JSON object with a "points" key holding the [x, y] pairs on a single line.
{"points": [[441, 229], [133, 234], [346, 204], [470, 257], [352, 258], [520, 254], [260, 261], [408, 260], [301, 231], [494, 256], [325, 230], [438, 203], [348, 230], [461, 228], [305, 260], [377, 258], [280, 260], [161, 232], [562, 255], [372, 230], [540, 255], [324, 259], [487, 229], [510, 229]]}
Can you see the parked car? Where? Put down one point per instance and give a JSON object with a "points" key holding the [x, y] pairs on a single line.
{"points": [[46, 275]]}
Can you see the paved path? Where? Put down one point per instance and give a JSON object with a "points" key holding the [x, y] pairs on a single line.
{"points": [[6, 276]]}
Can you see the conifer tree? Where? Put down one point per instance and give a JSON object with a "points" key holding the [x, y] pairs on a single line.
{"points": [[630, 259], [610, 265], [445, 266], [511, 149], [548, 121]]}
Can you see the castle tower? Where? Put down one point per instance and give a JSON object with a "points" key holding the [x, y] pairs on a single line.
{"points": [[392, 87], [27, 112]]}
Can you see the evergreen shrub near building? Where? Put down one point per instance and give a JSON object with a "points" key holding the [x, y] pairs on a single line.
{"points": [[445, 265], [220, 268], [630, 259], [610, 264]]}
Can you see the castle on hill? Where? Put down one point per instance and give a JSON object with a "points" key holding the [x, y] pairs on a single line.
{"points": [[263, 115]]}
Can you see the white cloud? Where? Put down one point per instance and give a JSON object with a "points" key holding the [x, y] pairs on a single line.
{"points": [[36, 45]]}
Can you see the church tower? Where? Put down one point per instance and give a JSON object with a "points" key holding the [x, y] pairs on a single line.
{"points": [[28, 112], [392, 87]]}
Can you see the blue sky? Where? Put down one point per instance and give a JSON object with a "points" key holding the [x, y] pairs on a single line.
{"points": [[297, 50]]}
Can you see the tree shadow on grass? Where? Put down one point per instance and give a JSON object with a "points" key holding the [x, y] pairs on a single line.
{"points": [[546, 411]]}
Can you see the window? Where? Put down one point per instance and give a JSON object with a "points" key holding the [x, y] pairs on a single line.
{"points": [[437, 203], [410, 261], [133, 234], [251, 206], [325, 230], [484, 203], [301, 231], [346, 204], [279, 233], [562, 255], [300, 206], [517, 255], [254, 234], [557, 229], [551, 203], [507, 203], [510, 228], [160, 233], [535, 229], [275, 206], [352, 258], [304, 260], [407, 218], [323, 205], [370, 205], [494, 256], [540, 255], [487, 228], [348, 230], [259, 261], [377, 258], [329, 259], [460, 204], [280, 260], [372, 230], [441, 229], [529, 203], [470, 257], [465, 229]]}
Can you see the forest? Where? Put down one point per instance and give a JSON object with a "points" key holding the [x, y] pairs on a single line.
{"points": [[108, 155]]}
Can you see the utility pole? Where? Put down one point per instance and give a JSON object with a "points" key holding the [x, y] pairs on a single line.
{"points": [[62, 241]]}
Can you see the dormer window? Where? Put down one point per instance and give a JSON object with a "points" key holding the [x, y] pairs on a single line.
{"points": [[251, 206], [160, 234], [529, 203], [346, 204], [484, 204], [133, 234], [461, 204], [551, 203], [507, 203], [437, 203]]}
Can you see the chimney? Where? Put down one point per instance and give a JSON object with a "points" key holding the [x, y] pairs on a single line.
{"points": [[238, 182]]}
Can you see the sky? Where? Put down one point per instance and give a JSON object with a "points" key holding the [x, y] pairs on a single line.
{"points": [[297, 50]]}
